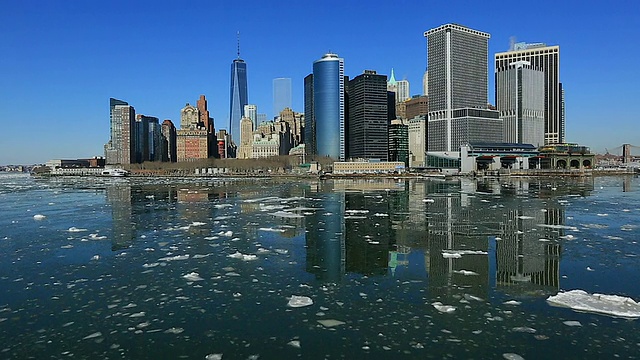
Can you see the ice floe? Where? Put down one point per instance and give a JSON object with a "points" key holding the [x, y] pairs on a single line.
{"points": [[174, 258], [330, 322], [96, 334], [296, 301], [241, 256], [512, 356], [611, 305], [286, 214], [447, 309], [193, 276], [213, 357], [75, 229], [39, 217], [572, 323]]}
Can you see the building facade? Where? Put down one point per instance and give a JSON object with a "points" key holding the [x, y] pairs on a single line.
{"points": [[402, 92], [309, 119], [121, 148], [238, 96], [169, 132], [399, 141], [520, 102], [416, 106], [368, 131], [329, 107], [192, 139], [547, 59], [457, 61], [246, 139], [417, 141], [251, 112], [281, 95]]}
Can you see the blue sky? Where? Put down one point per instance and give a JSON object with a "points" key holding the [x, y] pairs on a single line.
{"points": [[60, 61]]}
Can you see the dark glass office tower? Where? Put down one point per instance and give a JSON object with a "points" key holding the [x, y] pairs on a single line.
{"points": [[238, 97], [368, 134]]}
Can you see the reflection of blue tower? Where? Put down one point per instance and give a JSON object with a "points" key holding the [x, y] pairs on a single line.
{"points": [[325, 239]]}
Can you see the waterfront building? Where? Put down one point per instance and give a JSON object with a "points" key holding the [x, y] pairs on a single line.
{"points": [[169, 132], [457, 81], [328, 107], [281, 95], [402, 92], [368, 167], [251, 112], [520, 102], [399, 141], [238, 95], [157, 142], [246, 138], [368, 132], [416, 142], [547, 59], [121, 148], [207, 122], [265, 147]]}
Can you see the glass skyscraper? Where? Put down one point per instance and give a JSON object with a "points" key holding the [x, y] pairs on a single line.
{"points": [[281, 95], [238, 97], [328, 106]]}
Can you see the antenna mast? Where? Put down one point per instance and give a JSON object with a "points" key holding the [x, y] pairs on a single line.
{"points": [[238, 35]]}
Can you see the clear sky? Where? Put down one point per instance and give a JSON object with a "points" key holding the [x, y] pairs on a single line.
{"points": [[60, 61]]}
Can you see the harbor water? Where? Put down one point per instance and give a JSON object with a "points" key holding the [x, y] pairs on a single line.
{"points": [[171, 268]]}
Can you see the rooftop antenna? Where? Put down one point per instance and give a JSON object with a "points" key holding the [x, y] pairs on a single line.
{"points": [[238, 35]]}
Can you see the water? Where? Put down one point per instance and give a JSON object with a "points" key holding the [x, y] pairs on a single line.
{"points": [[369, 254]]}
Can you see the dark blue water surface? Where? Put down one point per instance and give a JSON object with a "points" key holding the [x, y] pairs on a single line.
{"points": [[141, 268]]}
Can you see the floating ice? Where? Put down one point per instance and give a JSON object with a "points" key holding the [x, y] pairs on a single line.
{"points": [[286, 214], [213, 357], [39, 217], [197, 223], [381, 215], [193, 276], [331, 323], [96, 237], [512, 302], [458, 253], [272, 229], [611, 305], [174, 330], [512, 356], [465, 272], [572, 323], [447, 309], [558, 227], [299, 301], [428, 200], [92, 336], [95, 257], [228, 233], [524, 329], [294, 343], [75, 229], [245, 257], [174, 258]]}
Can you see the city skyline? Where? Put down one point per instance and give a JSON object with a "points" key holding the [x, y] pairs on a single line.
{"points": [[62, 62]]}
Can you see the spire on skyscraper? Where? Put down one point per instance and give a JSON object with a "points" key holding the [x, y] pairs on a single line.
{"points": [[238, 36], [392, 79]]}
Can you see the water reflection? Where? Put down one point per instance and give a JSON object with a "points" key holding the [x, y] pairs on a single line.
{"points": [[510, 229]]}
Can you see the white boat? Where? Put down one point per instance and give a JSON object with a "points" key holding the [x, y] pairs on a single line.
{"points": [[114, 172]]}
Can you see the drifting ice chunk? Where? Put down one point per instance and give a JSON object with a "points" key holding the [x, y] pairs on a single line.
{"points": [[611, 305], [512, 356], [245, 257], [572, 323], [173, 258], [213, 357], [193, 276], [331, 322], [299, 301], [39, 217], [286, 214], [93, 336], [447, 309], [75, 229]]}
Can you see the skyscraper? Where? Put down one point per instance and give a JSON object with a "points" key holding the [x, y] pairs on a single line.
{"points": [[368, 135], [328, 106], [458, 85], [402, 92], [251, 112], [121, 148], [547, 59], [520, 101], [309, 118], [238, 96], [281, 95]]}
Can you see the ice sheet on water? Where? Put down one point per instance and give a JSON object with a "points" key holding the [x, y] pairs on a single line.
{"points": [[174, 258], [39, 217], [512, 356], [610, 305], [572, 323], [93, 336], [213, 357], [458, 253], [447, 309], [241, 256], [264, 199], [331, 322], [75, 229], [286, 214], [193, 276], [573, 228], [296, 301]]}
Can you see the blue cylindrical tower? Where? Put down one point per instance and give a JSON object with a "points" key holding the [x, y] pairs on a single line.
{"points": [[328, 106]]}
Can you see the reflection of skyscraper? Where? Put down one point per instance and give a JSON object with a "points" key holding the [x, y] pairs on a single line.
{"points": [[281, 95], [119, 198], [325, 236], [238, 95]]}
